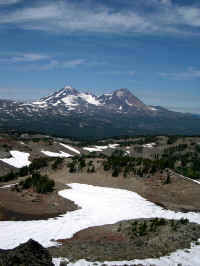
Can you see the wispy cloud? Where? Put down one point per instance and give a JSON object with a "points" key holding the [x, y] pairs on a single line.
{"points": [[189, 74], [60, 64], [22, 57], [29, 57], [39, 61], [132, 73], [117, 72], [65, 17], [8, 2]]}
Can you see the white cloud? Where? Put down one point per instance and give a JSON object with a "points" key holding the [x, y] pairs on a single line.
{"points": [[64, 17], [189, 74], [190, 16]]}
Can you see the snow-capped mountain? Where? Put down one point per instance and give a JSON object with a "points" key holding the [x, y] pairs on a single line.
{"points": [[122, 100], [69, 112], [70, 99], [67, 97]]}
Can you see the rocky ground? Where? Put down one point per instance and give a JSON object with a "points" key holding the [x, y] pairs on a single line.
{"points": [[128, 240], [28, 205]]}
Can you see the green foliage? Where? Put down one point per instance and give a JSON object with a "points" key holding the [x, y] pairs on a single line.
{"points": [[77, 164], [142, 229], [23, 171], [115, 172], [8, 177], [106, 166], [172, 139], [38, 164], [184, 221], [40, 183], [57, 162], [168, 179]]}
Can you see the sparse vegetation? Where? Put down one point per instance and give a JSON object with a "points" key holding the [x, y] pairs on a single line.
{"points": [[38, 182]]}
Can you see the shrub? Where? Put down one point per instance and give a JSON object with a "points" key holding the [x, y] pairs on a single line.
{"points": [[23, 171], [115, 172], [38, 163], [57, 162], [41, 184]]}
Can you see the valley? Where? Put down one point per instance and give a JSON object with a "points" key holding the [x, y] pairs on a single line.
{"points": [[151, 167]]}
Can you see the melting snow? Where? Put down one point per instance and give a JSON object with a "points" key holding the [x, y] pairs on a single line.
{"points": [[19, 159], [92, 149], [149, 145], [115, 205], [8, 186], [113, 146], [56, 154], [101, 148], [70, 148]]}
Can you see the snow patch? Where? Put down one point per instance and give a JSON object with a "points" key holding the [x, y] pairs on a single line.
{"points": [[8, 186], [113, 146], [120, 93], [149, 145], [92, 149], [90, 99], [70, 100], [19, 159], [70, 148], [101, 148], [56, 154], [127, 102], [152, 108]]}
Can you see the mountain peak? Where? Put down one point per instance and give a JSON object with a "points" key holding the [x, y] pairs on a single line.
{"points": [[67, 87], [122, 92]]}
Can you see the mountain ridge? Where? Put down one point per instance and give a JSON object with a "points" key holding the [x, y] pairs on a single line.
{"points": [[69, 112]]}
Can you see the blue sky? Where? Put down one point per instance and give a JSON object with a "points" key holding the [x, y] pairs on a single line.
{"points": [[148, 46]]}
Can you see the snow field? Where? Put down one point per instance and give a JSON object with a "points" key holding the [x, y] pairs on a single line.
{"points": [[115, 205]]}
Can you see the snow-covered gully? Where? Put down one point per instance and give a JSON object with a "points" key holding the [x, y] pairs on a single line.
{"points": [[115, 205]]}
